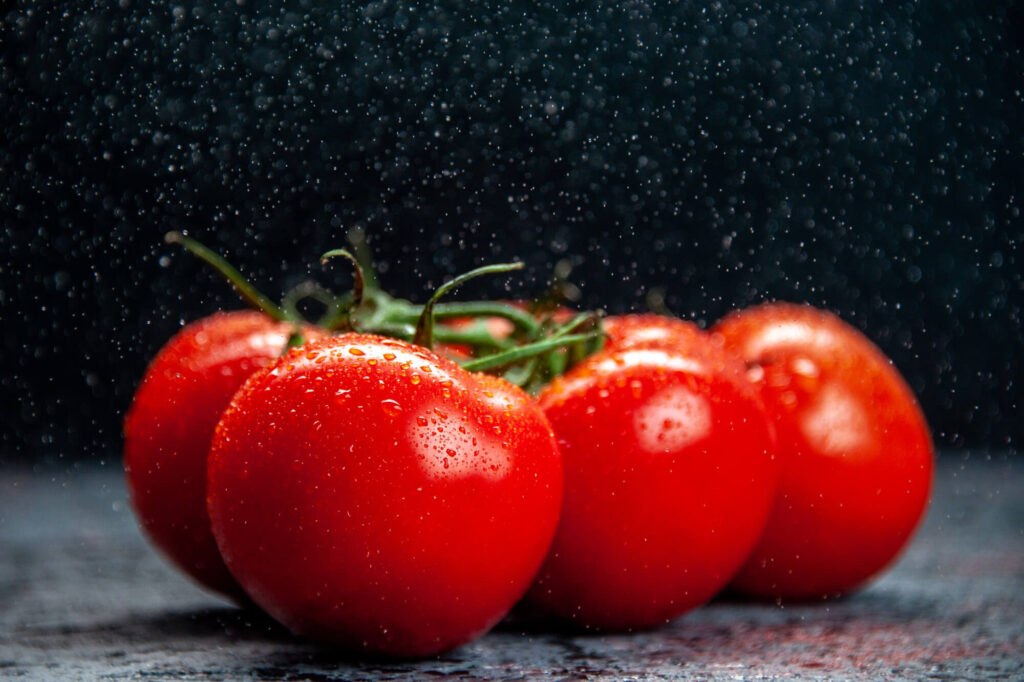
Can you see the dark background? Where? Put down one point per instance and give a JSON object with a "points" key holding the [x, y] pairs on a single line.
{"points": [[865, 159]]}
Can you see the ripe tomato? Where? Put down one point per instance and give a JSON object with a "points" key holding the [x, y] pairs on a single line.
{"points": [[169, 426], [854, 449], [669, 477], [646, 330], [368, 493]]}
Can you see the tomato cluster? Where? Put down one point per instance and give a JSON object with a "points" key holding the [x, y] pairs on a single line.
{"points": [[368, 492]]}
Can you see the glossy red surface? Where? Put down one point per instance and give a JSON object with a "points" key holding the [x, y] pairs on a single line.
{"points": [[369, 493], [855, 452], [669, 477], [169, 426]]}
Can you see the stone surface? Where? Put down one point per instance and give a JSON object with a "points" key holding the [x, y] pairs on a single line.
{"points": [[82, 596]]}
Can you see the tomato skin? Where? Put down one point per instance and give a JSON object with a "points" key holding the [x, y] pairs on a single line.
{"points": [[855, 453], [368, 493], [669, 477], [647, 330], [169, 426]]}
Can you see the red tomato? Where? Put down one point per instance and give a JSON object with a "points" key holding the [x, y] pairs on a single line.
{"points": [[669, 477], [854, 449], [169, 426], [368, 493], [646, 330]]}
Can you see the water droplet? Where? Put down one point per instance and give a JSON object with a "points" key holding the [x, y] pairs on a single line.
{"points": [[391, 407]]}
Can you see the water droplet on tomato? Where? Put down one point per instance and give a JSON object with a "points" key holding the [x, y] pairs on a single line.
{"points": [[636, 388], [755, 373], [805, 367], [391, 407]]}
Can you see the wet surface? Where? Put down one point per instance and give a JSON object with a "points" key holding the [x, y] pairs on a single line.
{"points": [[82, 596]]}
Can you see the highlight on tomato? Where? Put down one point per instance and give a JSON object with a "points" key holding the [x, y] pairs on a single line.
{"points": [[647, 330]]}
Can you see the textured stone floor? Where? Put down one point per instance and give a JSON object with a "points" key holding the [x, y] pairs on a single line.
{"points": [[83, 597]]}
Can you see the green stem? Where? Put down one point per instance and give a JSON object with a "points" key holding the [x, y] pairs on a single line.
{"points": [[527, 351], [395, 330], [425, 327], [575, 323], [521, 375], [558, 363], [477, 338], [295, 339], [343, 320], [655, 300], [385, 310], [517, 316], [246, 290], [446, 311], [357, 240], [312, 290]]}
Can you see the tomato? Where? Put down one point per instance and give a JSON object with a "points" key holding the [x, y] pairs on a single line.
{"points": [[368, 493], [169, 426], [646, 330], [855, 452], [669, 477]]}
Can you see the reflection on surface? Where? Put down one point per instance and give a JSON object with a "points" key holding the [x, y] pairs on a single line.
{"points": [[451, 446], [84, 597], [789, 334], [835, 422], [671, 420]]}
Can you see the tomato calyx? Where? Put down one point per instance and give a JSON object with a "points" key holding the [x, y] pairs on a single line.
{"points": [[310, 290], [425, 325], [534, 365], [245, 289], [539, 347]]}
